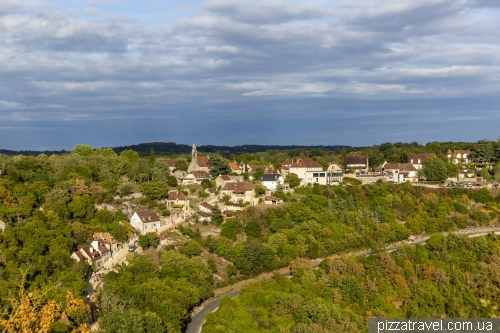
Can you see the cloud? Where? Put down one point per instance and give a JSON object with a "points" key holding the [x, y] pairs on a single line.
{"points": [[249, 59]]}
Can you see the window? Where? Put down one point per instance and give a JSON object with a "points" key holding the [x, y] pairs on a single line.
{"points": [[315, 174], [419, 161], [322, 175]]}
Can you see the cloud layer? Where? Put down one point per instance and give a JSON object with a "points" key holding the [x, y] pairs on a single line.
{"points": [[234, 72]]}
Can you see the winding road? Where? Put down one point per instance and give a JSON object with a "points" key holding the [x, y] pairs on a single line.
{"points": [[198, 318]]}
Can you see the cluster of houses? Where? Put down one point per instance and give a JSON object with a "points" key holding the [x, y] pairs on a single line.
{"points": [[235, 193]]}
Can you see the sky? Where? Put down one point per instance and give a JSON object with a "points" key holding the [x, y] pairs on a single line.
{"points": [[226, 72]]}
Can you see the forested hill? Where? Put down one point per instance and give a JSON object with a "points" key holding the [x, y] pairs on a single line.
{"points": [[172, 147]]}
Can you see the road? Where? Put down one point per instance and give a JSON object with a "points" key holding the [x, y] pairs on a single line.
{"points": [[198, 318]]}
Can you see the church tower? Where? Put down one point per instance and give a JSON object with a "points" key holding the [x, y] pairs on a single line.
{"points": [[193, 166]]}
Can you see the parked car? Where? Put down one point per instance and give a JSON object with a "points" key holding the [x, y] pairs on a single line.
{"points": [[478, 185], [131, 247]]}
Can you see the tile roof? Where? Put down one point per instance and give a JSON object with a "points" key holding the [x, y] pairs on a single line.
{"points": [[203, 161], [175, 195], [105, 236], [170, 163], [356, 160], [225, 177], [200, 174], [254, 167], [287, 163], [306, 163], [239, 187], [234, 166], [416, 157], [272, 198], [147, 216], [206, 205], [461, 152]]}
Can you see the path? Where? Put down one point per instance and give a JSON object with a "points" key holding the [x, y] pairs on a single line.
{"points": [[198, 315]]}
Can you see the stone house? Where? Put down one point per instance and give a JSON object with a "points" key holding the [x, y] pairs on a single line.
{"points": [[459, 156], [417, 159], [222, 180], [358, 163], [240, 192], [145, 221]]}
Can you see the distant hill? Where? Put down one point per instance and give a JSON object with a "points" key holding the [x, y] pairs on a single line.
{"points": [[173, 148]]}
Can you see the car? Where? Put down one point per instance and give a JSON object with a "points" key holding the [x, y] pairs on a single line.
{"points": [[478, 185], [496, 185], [131, 247]]}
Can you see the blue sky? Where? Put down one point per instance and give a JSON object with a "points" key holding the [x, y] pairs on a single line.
{"points": [[351, 72]]}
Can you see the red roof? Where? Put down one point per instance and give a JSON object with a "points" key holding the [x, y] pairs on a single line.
{"points": [[147, 216], [234, 166], [203, 161], [170, 163], [176, 196], [239, 187]]}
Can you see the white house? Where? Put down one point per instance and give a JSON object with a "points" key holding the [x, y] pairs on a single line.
{"points": [[459, 156], [304, 165], [417, 159], [178, 202], [205, 207], [272, 180], [106, 239], [359, 163], [399, 172], [145, 221]]}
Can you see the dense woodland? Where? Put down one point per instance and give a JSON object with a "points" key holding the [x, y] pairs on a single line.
{"points": [[49, 204], [447, 277]]}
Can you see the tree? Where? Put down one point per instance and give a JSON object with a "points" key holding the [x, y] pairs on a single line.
{"points": [[130, 155], [172, 181], [434, 169], [217, 216], [205, 183], [181, 165], [253, 229], [153, 239], [83, 150], [218, 166], [259, 190], [231, 229], [258, 174], [154, 190], [293, 180], [483, 152]]}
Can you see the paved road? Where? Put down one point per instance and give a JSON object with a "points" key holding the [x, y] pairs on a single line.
{"points": [[198, 319]]}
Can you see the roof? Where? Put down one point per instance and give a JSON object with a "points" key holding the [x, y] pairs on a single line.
{"points": [[306, 163], [356, 160], [104, 236], [287, 163], [80, 255], [174, 195], [254, 167], [203, 161], [272, 198], [461, 152], [399, 166], [234, 166], [271, 171], [239, 187], [206, 205], [94, 255], [147, 216], [200, 174], [416, 157], [170, 163], [225, 177], [270, 177]]}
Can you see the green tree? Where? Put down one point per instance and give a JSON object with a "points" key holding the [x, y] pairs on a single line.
{"points": [[153, 239], [293, 180], [181, 165], [483, 152], [258, 174], [130, 155], [205, 183], [217, 216], [434, 169], [218, 166], [172, 181], [231, 229], [154, 190], [253, 229], [83, 150]]}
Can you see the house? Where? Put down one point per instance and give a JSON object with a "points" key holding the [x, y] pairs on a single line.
{"points": [[252, 168], [459, 156], [285, 168], [106, 239], [417, 159], [399, 172], [198, 163], [358, 163], [222, 180], [178, 202], [235, 168], [145, 221], [2, 226], [240, 192], [195, 177], [169, 163], [334, 166], [205, 207], [271, 181], [88, 254], [272, 200], [311, 172], [105, 251]]}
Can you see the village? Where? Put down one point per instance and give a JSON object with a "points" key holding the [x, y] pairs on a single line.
{"points": [[232, 192]]}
